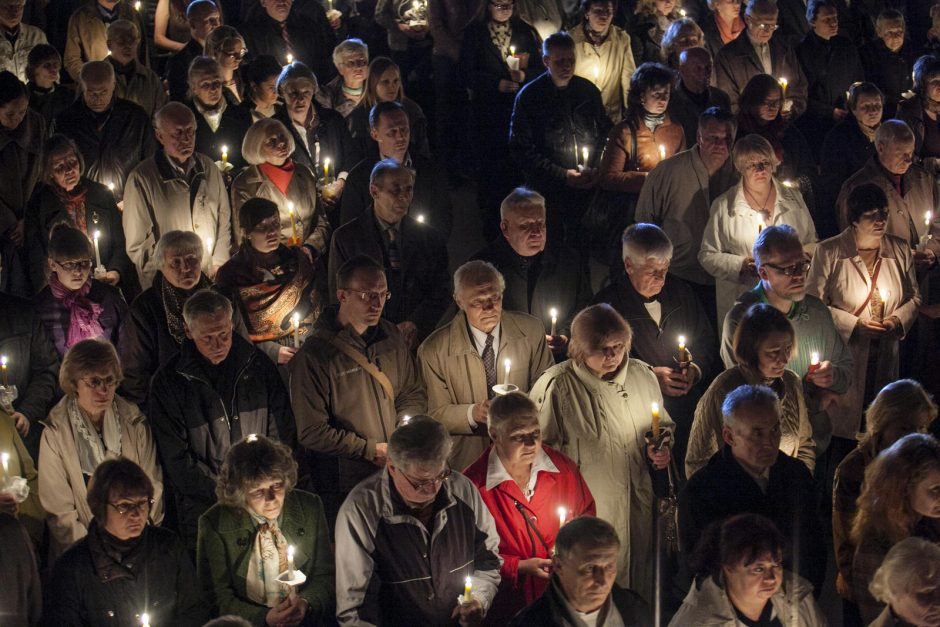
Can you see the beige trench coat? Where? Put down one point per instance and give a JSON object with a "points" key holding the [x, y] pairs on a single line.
{"points": [[601, 425], [839, 278], [614, 64]]}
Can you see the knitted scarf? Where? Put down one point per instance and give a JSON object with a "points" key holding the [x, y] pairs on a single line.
{"points": [[74, 204], [92, 448], [83, 313]]}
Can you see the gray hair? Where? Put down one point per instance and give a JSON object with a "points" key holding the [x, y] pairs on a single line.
{"points": [[203, 66], [892, 132], [349, 46], [205, 303], [258, 134], [386, 167], [775, 238], [508, 406], [95, 71], [748, 396], [122, 27], [422, 441], [519, 198], [912, 566], [644, 241], [179, 242], [585, 530], [761, 7], [476, 273], [296, 71], [172, 110]]}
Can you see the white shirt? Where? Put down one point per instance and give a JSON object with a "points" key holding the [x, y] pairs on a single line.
{"points": [[478, 338], [763, 53], [497, 474], [655, 310]]}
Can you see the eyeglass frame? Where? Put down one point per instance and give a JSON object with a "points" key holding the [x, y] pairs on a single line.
{"points": [[790, 270], [74, 266], [368, 297], [421, 485], [139, 506], [101, 383]]}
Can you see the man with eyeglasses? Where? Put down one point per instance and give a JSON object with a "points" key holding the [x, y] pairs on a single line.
{"points": [[782, 268], [417, 544], [203, 17], [759, 52], [134, 81], [352, 382], [604, 55], [463, 361]]}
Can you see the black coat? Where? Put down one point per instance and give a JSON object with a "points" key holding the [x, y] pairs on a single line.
{"points": [[233, 126], [685, 110], [891, 71], [101, 214], [550, 610], [333, 135], [723, 488], [89, 588], [52, 103], [177, 70], [56, 317], [311, 37], [844, 151], [115, 148]]}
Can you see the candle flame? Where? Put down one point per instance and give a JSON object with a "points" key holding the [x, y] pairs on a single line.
{"points": [[681, 342], [562, 515], [654, 407], [97, 234], [662, 152], [512, 51], [682, 12], [783, 82], [290, 207], [420, 218], [252, 437], [137, 5], [326, 162], [290, 552], [224, 150], [928, 217], [3, 361], [814, 358], [290, 58], [296, 319], [597, 72], [111, 186], [405, 419], [145, 617], [506, 364], [553, 312]]}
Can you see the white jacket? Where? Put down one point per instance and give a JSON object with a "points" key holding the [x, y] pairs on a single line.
{"points": [[13, 57]]}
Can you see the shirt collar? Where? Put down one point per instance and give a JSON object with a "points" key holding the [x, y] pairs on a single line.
{"points": [[797, 307], [479, 337], [496, 473]]}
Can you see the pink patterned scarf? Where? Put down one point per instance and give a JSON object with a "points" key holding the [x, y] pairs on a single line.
{"points": [[83, 319]]}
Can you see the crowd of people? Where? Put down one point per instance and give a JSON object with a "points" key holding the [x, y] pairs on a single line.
{"points": [[246, 380]]}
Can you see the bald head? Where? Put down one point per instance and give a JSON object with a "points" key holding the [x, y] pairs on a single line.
{"points": [[695, 69], [175, 128]]}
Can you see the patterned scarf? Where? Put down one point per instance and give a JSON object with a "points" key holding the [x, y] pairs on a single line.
{"points": [[268, 560], [500, 35], [173, 299], [92, 448], [83, 313], [74, 204], [275, 287]]}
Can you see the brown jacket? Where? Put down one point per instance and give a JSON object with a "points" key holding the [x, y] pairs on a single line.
{"points": [[453, 374], [87, 35], [619, 171]]}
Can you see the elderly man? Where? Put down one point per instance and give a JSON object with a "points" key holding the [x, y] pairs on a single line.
{"points": [[113, 134], [541, 280], [462, 361], [203, 17], [582, 588], [414, 537], [413, 255], [888, 60], [759, 52], [153, 330], [220, 127], [660, 308], [680, 204], [280, 30], [555, 119], [692, 94], [216, 391], [343, 93], [19, 38], [352, 382], [86, 36], [133, 80], [782, 267], [911, 190], [749, 475], [176, 189], [391, 130]]}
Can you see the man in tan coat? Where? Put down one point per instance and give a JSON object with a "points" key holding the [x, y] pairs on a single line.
{"points": [[461, 362]]}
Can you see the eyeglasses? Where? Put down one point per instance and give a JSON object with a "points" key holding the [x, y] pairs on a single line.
{"points": [[771, 103], [241, 54], [426, 483], [262, 494], [210, 85], [271, 225], [758, 166], [124, 508], [502, 6], [189, 261], [798, 269], [101, 383], [767, 28], [371, 297], [75, 266]]}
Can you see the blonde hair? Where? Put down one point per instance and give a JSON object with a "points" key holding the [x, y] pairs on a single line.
{"points": [[753, 145], [900, 402], [258, 134], [594, 326], [88, 356], [912, 566]]}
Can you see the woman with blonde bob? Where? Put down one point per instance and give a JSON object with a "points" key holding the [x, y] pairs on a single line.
{"points": [[681, 35], [908, 582], [91, 424], [244, 539], [595, 408]]}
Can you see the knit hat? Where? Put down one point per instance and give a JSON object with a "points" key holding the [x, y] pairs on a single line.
{"points": [[255, 211]]}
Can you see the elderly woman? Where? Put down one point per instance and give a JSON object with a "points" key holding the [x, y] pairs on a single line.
{"points": [[900, 499], [650, 21], [261, 87], [763, 343], [273, 175], [271, 282], [901, 407], [922, 109], [722, 25], [123, 568], [46, 96], [344, 93], [740, 214], [595, 408], [867, 279], [89, 425], [74, 306], [66, 196], [908, 582], [244, 540], [220, 125], [227, 46], [740, 580], [681, 35], [526, 486]]}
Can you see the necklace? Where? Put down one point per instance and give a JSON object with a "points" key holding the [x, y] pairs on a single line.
{"points": [[762, 205]]}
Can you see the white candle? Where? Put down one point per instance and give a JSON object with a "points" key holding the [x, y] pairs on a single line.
{"points": [[290, 562], [562, 516], [506, 365], [554, 314], [662, 152], [224, 154], [3, 368], [145, 617], [467, 590], [296, 319], [97, 251], [5, 460], [585, 153], [326, 169]]}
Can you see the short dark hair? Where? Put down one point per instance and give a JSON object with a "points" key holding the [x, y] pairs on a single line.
{"points": [[647, 76], [561, 39], [11, 88], [925, 67], [380, 109], [718, 115], [813, 7], [200, 5], [757, 323], [863, 199], [507, 406], [863, 88], [588, 530], [587, 4], [39, 55], [358, 265], [67, 243], [261, 68], [120, 477], [754, 94], [773, 239], [740, 539]]}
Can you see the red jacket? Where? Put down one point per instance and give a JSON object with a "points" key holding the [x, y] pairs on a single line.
{"points": [[517, 540]]}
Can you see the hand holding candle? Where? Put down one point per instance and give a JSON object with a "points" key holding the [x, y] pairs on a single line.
{"points": [[813, 362]]}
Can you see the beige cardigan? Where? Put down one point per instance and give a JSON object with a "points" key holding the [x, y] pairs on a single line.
{"points": [[62, 489]]}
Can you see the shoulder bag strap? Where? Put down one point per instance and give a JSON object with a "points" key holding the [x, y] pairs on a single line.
{"points": [[366, 365], [874, 286]]}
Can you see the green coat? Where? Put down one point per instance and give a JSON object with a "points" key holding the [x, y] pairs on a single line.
{"points": [[226, 538]]}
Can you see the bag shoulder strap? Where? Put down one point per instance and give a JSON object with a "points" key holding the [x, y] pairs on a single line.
{"points": [[366, 365], [874, 286]]}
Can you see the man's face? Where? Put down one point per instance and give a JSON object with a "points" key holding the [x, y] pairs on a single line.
{"points": [[826, 24], [600, 15], [774, 271], [587, 574], [524, 229], [892, 34], [13, 112], [97, 94], [392, 133], [392, 195], [201, 25], [182, 269], [278, 10], [178, 137], [896, 156], [696, 71], [418, 484], [207, 89], [647, 279], [761, 26], [212, 335], [714, 143], [519, 440], [123, 47], [560, 62], [483, 305], [755, 437], [362, 301], [11, 13]]}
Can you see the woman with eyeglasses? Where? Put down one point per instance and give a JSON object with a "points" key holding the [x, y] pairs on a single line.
{"points": [[91, 424], [868, 280], [124, 571], [596, 409], [741, 213], [763, 344], [227, 46], [244, 540], [740, 580], [344, 93], [525, 485], [220, 123]]}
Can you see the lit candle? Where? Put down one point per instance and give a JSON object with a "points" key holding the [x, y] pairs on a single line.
{"points": [[137, 6], [681, 342], [290, 58], [597, 72], [662, 152], [554, 314], [682, 13], [252, 437], [405, 420], [290, 562], [5, 460], [326, 169], [585, 153], [506, 365], [416, 5], [927, 218], [111, 187], [420, 218], [655, 410], [467, 590], [512, 51], [224, 154], [787, 183], [294, 238], [783, 86], [97, 250], [145, 617], [813, 362], [330, 3], [296, 319], [209, 245], [562, 516], [3, 368]]}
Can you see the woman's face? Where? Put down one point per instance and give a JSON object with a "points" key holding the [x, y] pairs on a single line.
{"points": [[868, 110], [769, 108], [600, 15], [773, 353], [388, 85], [231, 54], [872, 223], [65, 169], [354, 68], [265, 93], [608, 358], [665, 7], [46, 74], [918, 608], [298, 94], [72, 273], [95, 391], [266, 497], [266, 236], [728, 10], [758, 171], [500, 10], [754, 582], [207, 89], [127, 515], [519, 440], [275, 149], [925, 497], [656, 99], [13, 112]]}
